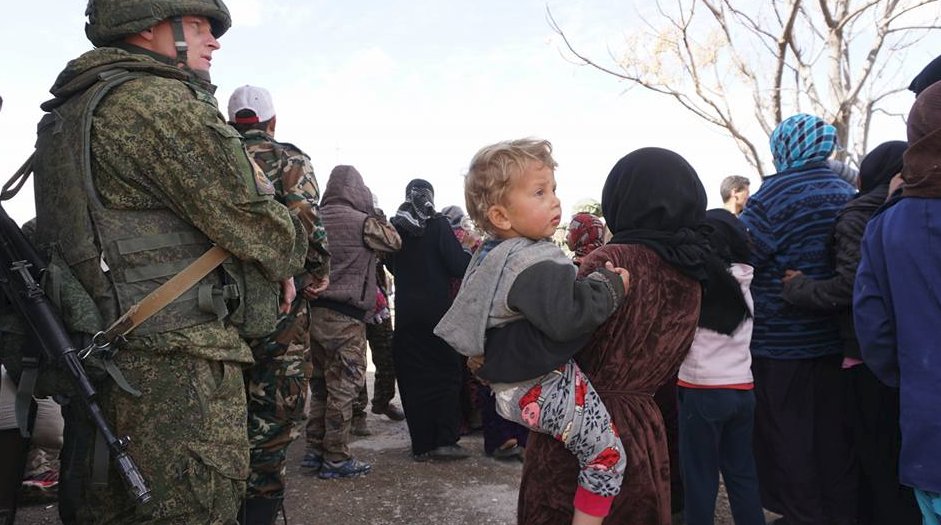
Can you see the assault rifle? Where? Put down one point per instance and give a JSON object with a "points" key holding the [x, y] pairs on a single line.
{"points": [[20, 271]]}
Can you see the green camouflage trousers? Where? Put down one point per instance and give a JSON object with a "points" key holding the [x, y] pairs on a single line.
{"points": [[338, 354], [187, 435], [379, 337], [277, 392]]}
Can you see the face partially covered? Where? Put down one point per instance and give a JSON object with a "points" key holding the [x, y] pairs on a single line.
{"points": [[530, 208]]}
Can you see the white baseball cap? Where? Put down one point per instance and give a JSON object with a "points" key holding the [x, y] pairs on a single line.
{"points": [[255, 99]]}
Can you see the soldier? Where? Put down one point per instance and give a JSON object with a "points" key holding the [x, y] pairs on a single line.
{"points": [[137, 174], [277, 383]]}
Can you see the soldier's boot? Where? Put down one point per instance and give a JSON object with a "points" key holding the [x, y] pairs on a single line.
{"points": [[259, 511]]}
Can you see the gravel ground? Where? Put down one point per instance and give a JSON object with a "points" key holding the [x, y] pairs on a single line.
{"points": [[475, 491]]}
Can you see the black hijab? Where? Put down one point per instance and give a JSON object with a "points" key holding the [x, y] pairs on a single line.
{"points": [[928, 76], [654, 197], [880, 165], [724, 307]]}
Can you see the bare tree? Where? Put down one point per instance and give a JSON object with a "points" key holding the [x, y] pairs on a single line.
{"points": [[744, 66]]}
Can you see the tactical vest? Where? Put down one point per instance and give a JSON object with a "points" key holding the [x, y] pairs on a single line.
{"points": [[118, 256], [352, 263]]}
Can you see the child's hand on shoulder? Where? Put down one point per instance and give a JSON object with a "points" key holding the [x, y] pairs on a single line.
{"points": [[622, 273]]}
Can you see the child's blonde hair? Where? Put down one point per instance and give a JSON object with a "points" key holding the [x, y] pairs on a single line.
{"points": [[492, 171]]}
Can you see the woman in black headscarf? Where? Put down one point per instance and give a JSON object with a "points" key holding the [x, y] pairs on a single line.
{"points": [[654, 203], [427, 369], [872, 408]]}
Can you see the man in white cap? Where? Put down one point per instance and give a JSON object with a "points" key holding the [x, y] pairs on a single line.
{"points": [[277, 382]]}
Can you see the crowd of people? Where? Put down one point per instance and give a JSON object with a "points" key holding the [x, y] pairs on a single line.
{"points": [[783, 341]]}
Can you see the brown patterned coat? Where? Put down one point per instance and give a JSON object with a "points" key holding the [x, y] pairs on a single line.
{"points": [[628, 358]]}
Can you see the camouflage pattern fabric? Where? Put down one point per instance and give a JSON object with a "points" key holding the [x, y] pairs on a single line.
{"points": [[188, 440], [338, 354], [160, 142], [277, 382], [379, 337], [295, 184], [277, 394]]}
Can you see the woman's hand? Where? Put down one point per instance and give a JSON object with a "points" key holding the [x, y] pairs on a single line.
{"points": [[622, 273]]}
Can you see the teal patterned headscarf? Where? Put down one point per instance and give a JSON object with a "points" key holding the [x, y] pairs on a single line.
{"points": [[800, 140]]}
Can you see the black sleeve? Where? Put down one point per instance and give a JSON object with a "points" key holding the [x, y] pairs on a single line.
{"points": [[453, 254], [561, 306], [519, 351], [836, 292]]}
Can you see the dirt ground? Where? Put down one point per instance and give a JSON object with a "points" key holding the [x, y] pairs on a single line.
{"points": [[398, 491]]}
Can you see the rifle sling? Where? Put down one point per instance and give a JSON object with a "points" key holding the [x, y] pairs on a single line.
{"points": [[165, 294]]}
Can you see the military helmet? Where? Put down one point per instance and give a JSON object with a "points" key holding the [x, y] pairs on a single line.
{"points": [[112, 20]]}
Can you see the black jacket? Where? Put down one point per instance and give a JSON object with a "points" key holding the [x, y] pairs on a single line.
{"points": [[836, 293]]}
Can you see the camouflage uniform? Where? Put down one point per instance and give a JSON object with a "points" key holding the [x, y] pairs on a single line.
{"points": [[277, 382], [379, 337], [158, 142]]}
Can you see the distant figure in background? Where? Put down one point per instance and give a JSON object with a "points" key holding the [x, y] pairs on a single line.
{"points": [[379, 335], [585, 234], [734, 192], [428, 370], [844, 171], [897, 302], [462, 227], [472, 418]]}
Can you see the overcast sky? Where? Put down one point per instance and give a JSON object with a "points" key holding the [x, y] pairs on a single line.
{"points": [[406, 88]]}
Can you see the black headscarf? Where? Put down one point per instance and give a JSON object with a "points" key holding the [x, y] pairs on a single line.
{"points": [[880, 165], [418, 207], [728, 236], [928, 76], [654, 197], [723, 306]]}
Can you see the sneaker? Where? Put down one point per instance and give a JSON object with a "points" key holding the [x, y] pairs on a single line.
{"points": [[44, 481], [358, 427], [390, 411], [312, 460], [350, 468]]}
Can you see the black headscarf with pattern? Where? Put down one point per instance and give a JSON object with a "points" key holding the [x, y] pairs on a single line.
{"points": [[419, 206]]}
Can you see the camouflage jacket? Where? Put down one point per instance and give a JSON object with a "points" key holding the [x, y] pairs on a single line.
{"points": [[295, 185], [159, 142]]}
